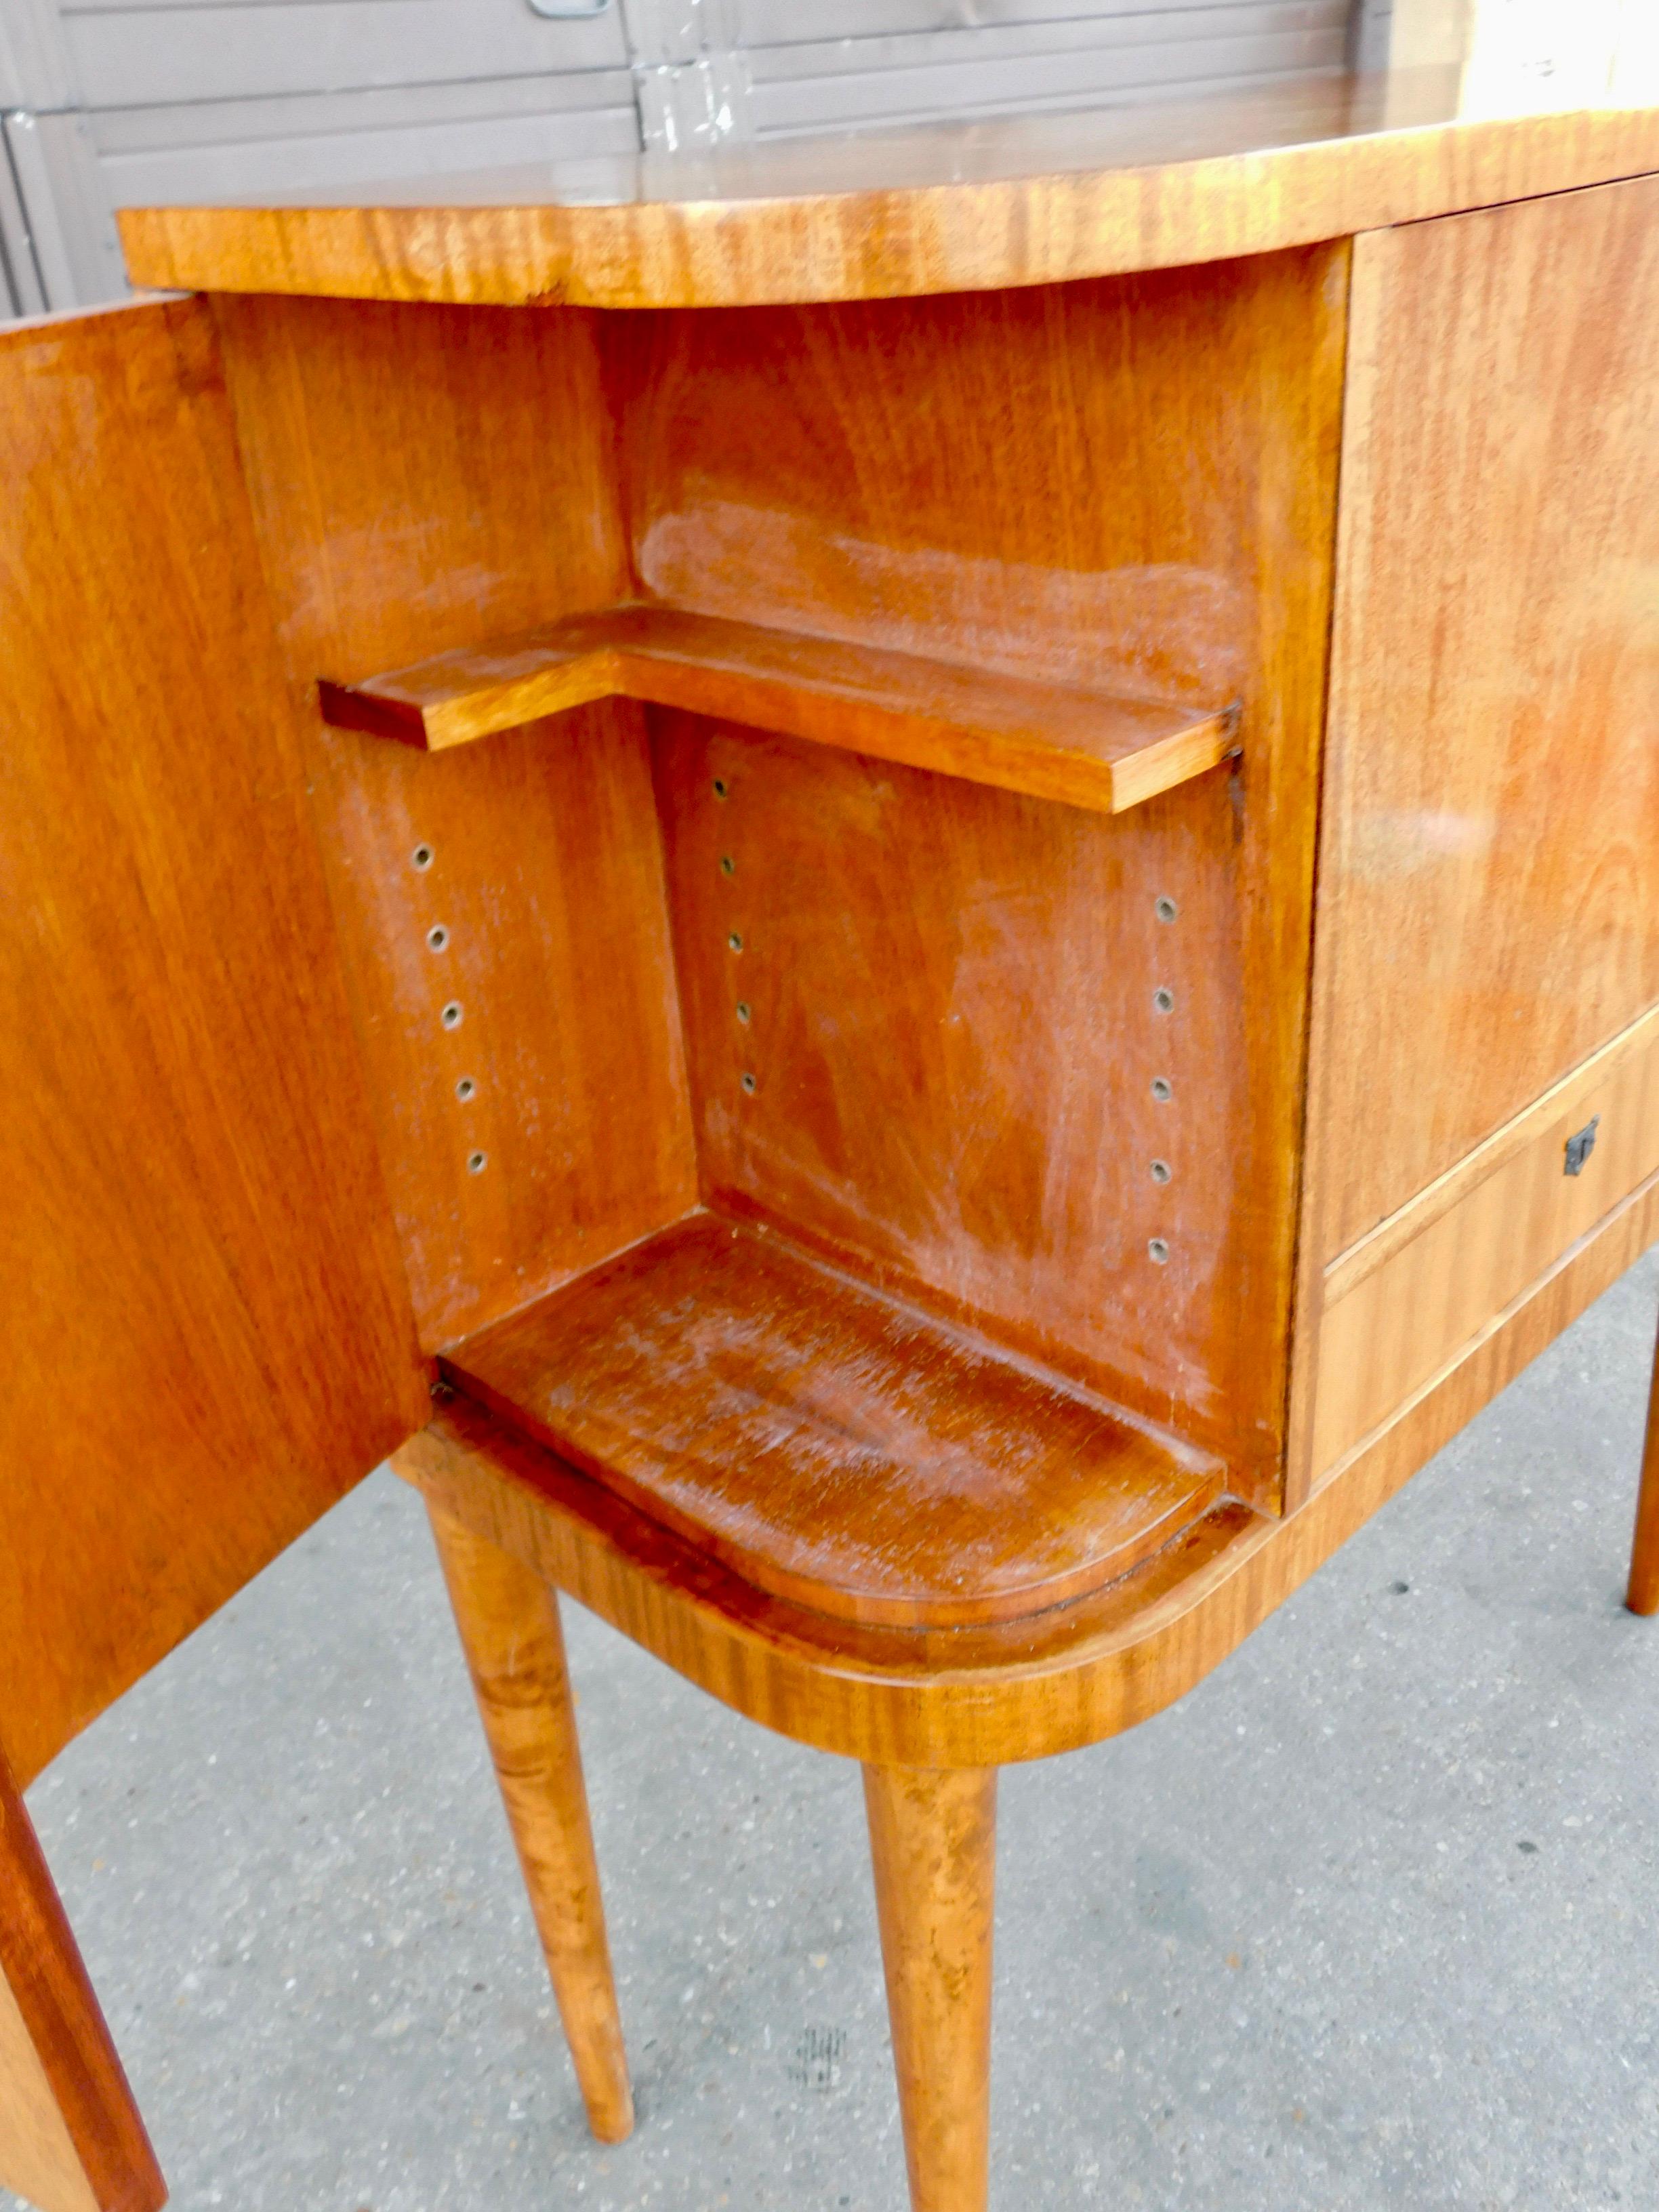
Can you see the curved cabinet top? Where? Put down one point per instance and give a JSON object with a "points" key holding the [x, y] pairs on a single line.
{"points": [[949, 207]]}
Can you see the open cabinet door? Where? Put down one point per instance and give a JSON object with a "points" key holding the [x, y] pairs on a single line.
{"points": [[208, 1332]]}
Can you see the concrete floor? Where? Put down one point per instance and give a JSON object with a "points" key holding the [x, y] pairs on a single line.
{"points": [[1367, 1921]]}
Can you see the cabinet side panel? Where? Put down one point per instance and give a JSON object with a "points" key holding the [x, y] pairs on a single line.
{"points": [[426, 478], [1489, 896], [207, 1333]]}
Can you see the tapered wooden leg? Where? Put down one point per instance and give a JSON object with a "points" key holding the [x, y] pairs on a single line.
{"points": [[933, 1837], [1643, 1596], [71, 2137], [509, 1624]]}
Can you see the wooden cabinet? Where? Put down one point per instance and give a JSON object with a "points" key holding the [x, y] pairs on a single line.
{"points": [[941, 930]]}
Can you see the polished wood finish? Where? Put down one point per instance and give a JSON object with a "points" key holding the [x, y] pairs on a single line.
{"points": [[952, 208], [1052, 741], [828, 1445], [37, 2153], [209, 1339], [1400, 1304], [409, 500], [1622, 1068], [987, 1696], [71, 2137], [1643, 1595], [509, 1628], [933, 1841], [964, 1071], [1486, 916], [1492, 781]]}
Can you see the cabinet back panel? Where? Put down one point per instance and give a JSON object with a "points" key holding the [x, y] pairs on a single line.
{"points": [[943, 997], [1128, 482]]}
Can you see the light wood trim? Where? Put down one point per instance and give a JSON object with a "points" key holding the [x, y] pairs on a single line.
{"points": [[510, 1631], [1628, 1230], [1054, 741], [1395, 1311], [1568, 1100], [37, 2153], [932, 1843], [1084, 197], [984, 1698], [1643, 1593]]}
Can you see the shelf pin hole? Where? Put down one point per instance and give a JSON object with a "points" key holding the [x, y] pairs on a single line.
{"points": [[1166, 909], [1164, 999], [748, 1082], [1162, 1089], [450, 1016], [1161, 1170], [465, 1088], [437, 937], [477, 1162], [1158, 1251]]}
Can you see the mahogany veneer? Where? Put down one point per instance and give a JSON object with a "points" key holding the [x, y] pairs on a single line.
{"points": [[830, 1445], [1094, 749]]}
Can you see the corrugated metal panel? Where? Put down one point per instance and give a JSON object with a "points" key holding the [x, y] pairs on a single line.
{"points": [[212, 149], [130, 57], [1038, 53], [22, 292], [71, 232], [794, 23]]}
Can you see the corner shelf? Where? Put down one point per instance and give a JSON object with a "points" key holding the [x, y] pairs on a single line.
{"points": [[830, 1445], [1098, 749]]}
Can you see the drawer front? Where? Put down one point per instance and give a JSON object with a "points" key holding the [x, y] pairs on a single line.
{"points": [[1409, 1298]]}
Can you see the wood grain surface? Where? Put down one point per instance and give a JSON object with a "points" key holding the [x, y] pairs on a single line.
{"points": [[210, 1338], [952, 208], [422, 479], [1054, 741], [991, 1695], [977, 1047], [1397, 1305], [1621, 1065], [71, 2137], [1489, 905], [828, 1445], [38, 2159], [510, 1631], [932, 1843]]}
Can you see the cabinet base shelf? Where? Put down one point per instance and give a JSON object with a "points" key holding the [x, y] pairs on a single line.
{"points": [[828, 1444]]}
